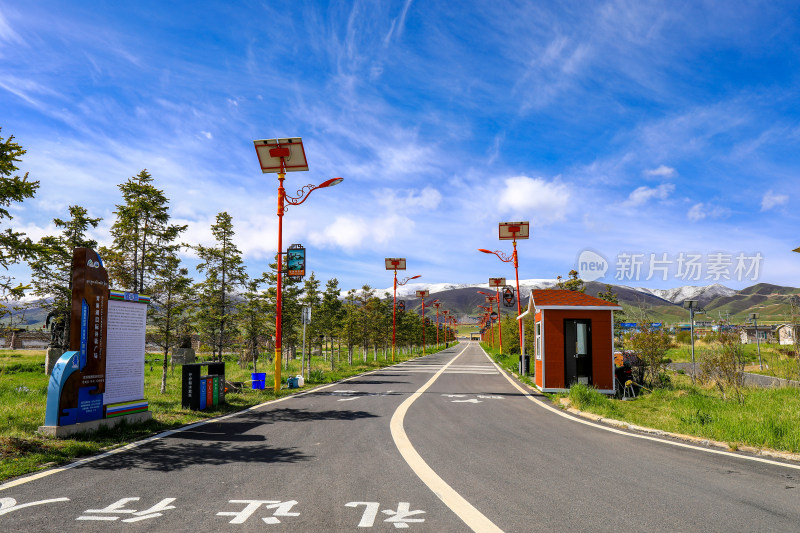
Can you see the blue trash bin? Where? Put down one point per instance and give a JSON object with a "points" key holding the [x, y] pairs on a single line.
{"points": [[259, 380]]}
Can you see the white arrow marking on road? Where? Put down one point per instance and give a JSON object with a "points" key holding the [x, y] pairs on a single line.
{"points": [[348, 399], [473, 400], [454, 395]]}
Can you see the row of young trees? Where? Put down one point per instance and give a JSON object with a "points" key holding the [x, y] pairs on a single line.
{"points": [[231, 311]]}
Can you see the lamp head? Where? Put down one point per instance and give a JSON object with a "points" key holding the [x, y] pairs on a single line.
{"points": [[484, 250], [415, 277], [330, 183]]}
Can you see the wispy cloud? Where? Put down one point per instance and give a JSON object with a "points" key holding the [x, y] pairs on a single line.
{"points": [[662, 171], [643, 194], [700, 211], [772, 200]]}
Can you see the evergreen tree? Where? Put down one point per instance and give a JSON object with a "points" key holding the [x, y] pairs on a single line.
{"points": [[51, 269], [573, 283], [14, 245], [253, 321], [350, 325], [225, 272], [141, 233], [291, 309], [171, 295], [329, 315], [311, 298]]}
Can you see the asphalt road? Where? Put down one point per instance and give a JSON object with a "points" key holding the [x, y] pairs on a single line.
{"points": [[443, 443]]}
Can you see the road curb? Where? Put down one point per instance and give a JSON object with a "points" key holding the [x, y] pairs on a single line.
{"points": [[762, 452]]}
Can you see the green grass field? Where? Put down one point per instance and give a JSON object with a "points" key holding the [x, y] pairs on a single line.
{"points": [[23, 397], [768, 418]]}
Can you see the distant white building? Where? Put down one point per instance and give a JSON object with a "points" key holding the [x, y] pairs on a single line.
{"points": [[747, 334], [787, 333]]}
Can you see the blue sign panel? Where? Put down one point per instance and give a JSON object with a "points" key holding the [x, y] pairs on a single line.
{"points": [[296, 261]]}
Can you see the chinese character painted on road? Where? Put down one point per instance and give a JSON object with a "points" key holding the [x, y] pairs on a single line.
{"points": [[118, 508], [281, 509], [399, 518]]}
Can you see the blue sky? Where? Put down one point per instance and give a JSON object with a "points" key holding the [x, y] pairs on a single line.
{"points": [[618, 127]]}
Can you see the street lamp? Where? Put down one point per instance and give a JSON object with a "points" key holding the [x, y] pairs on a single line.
{"points": [[396, 263], [281, 156], [754, 318], [511, 231], [436, 306], [423, 294], [490, 299], [489, 311], [691, 305]]}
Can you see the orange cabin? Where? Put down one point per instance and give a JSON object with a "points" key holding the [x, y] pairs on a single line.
{"points": [[573, 340]]}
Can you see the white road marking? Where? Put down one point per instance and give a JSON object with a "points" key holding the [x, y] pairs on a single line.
{"points": [[460, 506], [473, 400], [633, 435]]}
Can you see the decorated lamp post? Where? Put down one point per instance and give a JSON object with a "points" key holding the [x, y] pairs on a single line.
{"points": [[396, 263], [436, 306], [423, 294], [511, 231], [281, 156], [489, 312]]}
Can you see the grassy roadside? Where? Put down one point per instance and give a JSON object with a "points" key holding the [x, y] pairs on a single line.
{"points": [[767, 418], [23, 397]]}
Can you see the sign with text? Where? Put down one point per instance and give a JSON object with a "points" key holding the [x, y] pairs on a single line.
{"points": [[86, 384], [127, 319], [422, 294], [497, 282]]}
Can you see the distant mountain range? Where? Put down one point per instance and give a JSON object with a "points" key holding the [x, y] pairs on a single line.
{"points": [[772, 302]]}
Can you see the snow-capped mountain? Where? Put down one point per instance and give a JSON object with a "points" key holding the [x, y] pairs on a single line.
{"points": [[410, 289], [678, 295]]}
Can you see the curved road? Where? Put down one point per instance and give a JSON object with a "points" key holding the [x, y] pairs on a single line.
{"points": [[443, 443]]}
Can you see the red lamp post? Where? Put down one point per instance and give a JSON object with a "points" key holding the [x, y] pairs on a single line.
{"points": [[513, 231], [489, 319], [437, 305], [281, 156], [423, 294], [396, 263], [490, 299]]}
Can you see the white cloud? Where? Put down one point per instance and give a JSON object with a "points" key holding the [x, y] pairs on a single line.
{"points": [[643, 194], [699, 211], [548, 201], [206, 134], [662, 171], [407, 199], [6, 33], [351, 232], [771, 200]]}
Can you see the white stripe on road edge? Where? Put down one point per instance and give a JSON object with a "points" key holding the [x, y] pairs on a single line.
{"points": [[559, 412], [165, 434], [461, 507]]}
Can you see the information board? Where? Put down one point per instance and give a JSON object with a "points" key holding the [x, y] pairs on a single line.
{"points": [[127, 321]]}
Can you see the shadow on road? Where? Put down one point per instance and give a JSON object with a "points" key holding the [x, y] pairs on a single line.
{"points": [[234, 440], [165, 456]]}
